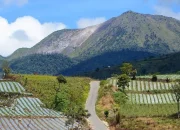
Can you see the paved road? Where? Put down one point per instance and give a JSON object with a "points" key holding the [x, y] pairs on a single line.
{"points": [[95, 122]]}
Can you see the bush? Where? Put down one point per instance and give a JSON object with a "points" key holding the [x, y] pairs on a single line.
{"points": [[154, 78], [106, 113], [120, 98], [103, 82]]}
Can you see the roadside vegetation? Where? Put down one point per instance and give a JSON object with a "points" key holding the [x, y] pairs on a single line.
{"points": [[134, 104]]}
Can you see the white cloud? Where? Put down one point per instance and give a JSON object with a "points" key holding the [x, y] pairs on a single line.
{"points": [[85, 22], [23, 32], [166, 11], [16, 2]]}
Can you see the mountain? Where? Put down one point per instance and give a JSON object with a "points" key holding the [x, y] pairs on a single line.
{"points": [[138, 32], [130, 36], [1, 57], [59, 42], [163, 64], [105, 60], [17, 54], [1, 61]]}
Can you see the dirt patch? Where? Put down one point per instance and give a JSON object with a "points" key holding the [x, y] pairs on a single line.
{"points": [[106, 102]]}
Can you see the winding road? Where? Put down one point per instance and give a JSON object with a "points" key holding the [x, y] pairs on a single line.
{"points": [[94, 120]]}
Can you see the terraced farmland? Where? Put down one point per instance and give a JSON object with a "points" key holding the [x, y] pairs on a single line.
{"points": [[147, 98], [32, 124], [19, 110], [10, 87], [170, 76]]}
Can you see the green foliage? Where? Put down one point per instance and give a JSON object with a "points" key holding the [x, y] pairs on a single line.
{"points": [[51, 64], [148, 110], [61, 79], [126, 68], [129, 70], [178, 72], [120, 98], [123, 82], [76, 115], [163, 64], [103, 82], [55, 64], [42, 87], [6, 69], [106, 113], [154, 78]]}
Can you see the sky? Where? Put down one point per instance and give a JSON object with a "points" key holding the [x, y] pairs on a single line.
{"points": [[23, 23]]}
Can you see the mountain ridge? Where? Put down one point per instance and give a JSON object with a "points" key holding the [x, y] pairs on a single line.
{"points": [[164, 64], [130, 30], [152, 35]]}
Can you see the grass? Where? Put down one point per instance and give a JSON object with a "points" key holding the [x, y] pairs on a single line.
{"points": [[156, 110], [42, 86]]}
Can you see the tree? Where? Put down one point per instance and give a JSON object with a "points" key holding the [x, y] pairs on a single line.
{"points": [[176, 90], [75, 111], [126, 68], [133, 73], [129, 70], [123, 82], [6, 69], [154, 78], [76, 115], [61, 80]]}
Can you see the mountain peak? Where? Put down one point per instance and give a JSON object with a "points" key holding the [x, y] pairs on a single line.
{"points": [[129, 12]]}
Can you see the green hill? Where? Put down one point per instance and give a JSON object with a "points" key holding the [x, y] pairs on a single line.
{"points": [[162, 64], [41, 64]]}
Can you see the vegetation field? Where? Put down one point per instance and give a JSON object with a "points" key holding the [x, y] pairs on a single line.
{"points": [[170, 76], [146, 98], [43, 87], [149, 105], [21, 106]]}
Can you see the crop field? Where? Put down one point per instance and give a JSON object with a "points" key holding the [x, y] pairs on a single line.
{"points": [[19, 110], [32, 124], [27, 106], [145, 85], [42, 86], [146, 98], [170, 76], [11, 87]]}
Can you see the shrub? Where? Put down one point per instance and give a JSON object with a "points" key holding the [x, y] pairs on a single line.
{"points": [[154, 78], [106, 113]]}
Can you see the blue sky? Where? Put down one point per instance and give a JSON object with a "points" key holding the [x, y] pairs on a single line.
{"points": [[70, 11], [28, 21]]}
